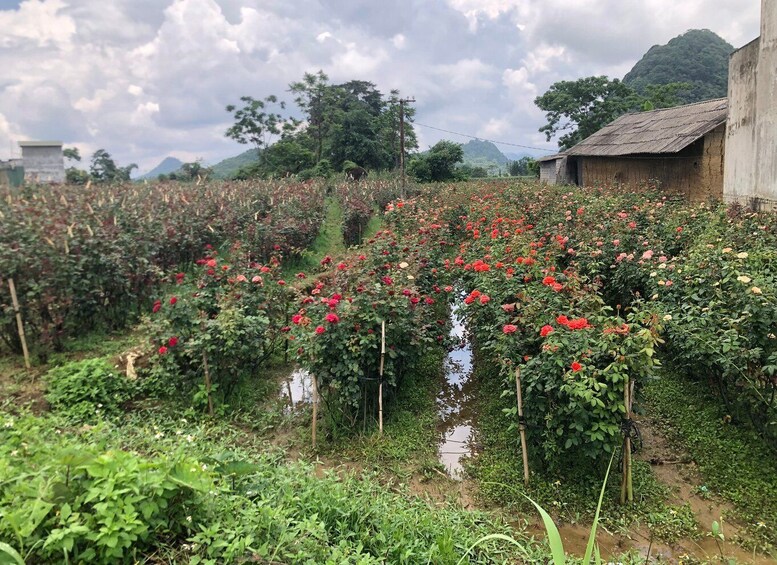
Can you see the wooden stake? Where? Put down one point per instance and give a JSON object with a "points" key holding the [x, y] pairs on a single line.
{"points": [[207, 383], [522, 427], [626, 494], [315, 407], [629, 484], [380, 383], [19, 324]]}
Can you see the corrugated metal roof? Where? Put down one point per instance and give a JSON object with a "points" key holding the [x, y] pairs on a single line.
{"points": [[668, 130]]}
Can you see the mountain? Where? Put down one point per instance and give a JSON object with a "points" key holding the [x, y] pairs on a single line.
{"points": [[477, 151], [167, 166], [698, 57], [228, 167]]}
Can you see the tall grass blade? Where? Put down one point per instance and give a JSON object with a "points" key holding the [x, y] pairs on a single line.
{"points": [[484, 539], [592, 538], [554, 538], [12, 553]]}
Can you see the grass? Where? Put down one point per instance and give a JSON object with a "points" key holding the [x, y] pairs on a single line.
{"points": [[281, 509], [408, 445], [731, 458], [571, 497], [328, 242]]}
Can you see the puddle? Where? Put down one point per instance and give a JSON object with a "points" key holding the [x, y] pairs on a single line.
{"points": [[454, 402], [297, 388]]}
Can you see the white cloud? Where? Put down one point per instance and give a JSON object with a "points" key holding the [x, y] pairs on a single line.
{"points": [[36, 22], [147, 78]]}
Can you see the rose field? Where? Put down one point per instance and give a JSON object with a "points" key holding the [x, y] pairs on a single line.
{"points": [[339, 372]]}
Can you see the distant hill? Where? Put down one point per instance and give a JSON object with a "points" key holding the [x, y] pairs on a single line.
{"points": [[698, 57], [484, 154], [477, 150], [228, 167], [167, 166]]}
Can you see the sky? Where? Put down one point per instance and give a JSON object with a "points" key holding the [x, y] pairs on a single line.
{"points": [[144, 79]]}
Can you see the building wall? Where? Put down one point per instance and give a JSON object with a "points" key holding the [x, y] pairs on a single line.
{"points": [[555, 171], [751, 143], [696, 172], [11, 173], [43, 164]]}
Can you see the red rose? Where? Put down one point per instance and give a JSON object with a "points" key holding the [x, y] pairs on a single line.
{"points": [[546, 329], [172, 342], [320, 329], [484, 299], [162, 350], [296, 318], [332, 318], [173, 300], [509, 328], [157, 306], [576, 366]]}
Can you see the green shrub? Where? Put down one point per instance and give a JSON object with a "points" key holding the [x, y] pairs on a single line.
{"points": [[85, 390]]}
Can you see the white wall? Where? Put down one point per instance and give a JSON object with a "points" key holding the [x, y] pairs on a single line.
{"points": [[750, 169]]}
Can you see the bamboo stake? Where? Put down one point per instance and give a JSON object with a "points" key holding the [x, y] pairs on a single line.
{"points": [[629, 484], [207, 383], [315, 407], [380, 383], [626, 471], [522, 426], [19, 324]]}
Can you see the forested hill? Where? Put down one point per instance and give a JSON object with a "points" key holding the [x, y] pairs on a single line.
{"points": [[698, 57], [477, 152]]}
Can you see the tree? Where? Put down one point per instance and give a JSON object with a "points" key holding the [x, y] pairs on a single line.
{"points": [[104, 169], [194, 170], [523, 167], [285, 157], [582, 107], [438, 164], [255, 123], [315, 96], [71, 154], [74, 175]]}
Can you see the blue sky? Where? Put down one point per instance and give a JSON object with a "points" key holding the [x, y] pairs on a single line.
{"points": [[145, 79]]}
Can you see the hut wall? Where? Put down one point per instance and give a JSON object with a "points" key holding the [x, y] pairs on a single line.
{"points": [[696, 172]]}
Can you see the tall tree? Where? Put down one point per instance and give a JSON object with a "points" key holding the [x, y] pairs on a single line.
{"points": [[256, 122], [438, 164], [104, 169], [315, 97], [582, 107]]}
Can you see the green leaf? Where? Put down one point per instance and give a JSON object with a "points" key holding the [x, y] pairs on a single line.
{"points": [[12, 553]]}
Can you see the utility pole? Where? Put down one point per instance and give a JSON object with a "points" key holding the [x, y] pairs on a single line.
{"points": [[402, 102]]}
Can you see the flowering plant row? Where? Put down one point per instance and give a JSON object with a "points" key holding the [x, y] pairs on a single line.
{"points": [[85, 258], [536, 254]]}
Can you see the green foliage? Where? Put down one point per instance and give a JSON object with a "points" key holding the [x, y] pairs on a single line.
{"points": [[286, 157], [84, 391], [71, 154], [72, 498], [194, 171], [104, 169], [438, 164], [352, 121], [255, 122], [524, 167], [732, 458], [228, 168], [582, 107], [698, 58]]}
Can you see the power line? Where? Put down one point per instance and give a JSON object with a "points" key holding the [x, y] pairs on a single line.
{"points": [[489, 140]]}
